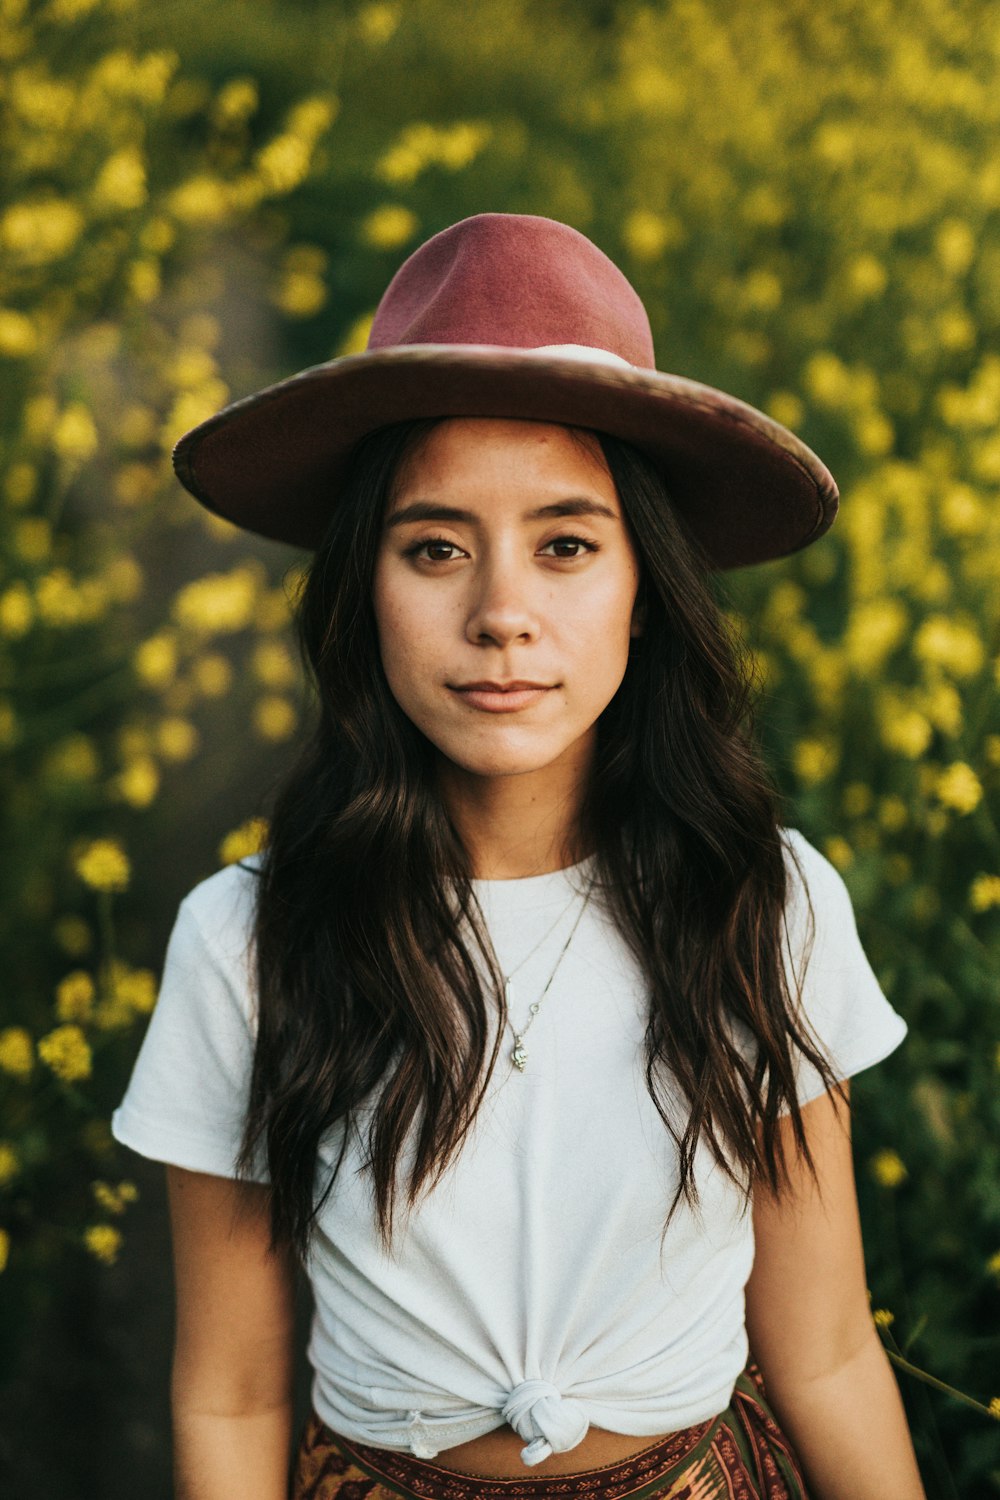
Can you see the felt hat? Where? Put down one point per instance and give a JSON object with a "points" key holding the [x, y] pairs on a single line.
{"points": [[511, 315]]}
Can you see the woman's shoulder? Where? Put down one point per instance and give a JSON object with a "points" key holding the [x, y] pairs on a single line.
{"points": [[818, 905], [806, 864], [221, 907]]}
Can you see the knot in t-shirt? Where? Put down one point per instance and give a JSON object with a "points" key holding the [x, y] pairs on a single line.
{"points": [[554, 1423]]}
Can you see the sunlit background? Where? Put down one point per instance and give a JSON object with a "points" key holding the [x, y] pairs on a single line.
{"points": [[199, 199]]}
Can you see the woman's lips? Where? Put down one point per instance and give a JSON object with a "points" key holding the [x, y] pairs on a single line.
{"points": [[501, 703]]}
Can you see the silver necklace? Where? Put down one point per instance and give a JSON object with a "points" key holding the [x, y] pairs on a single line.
{"points": [[544, 938], [518, 1054]]}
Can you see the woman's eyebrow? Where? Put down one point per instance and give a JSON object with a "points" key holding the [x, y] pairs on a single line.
{"points": [[427, 510]]}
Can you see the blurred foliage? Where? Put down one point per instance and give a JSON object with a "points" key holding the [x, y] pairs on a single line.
{"points": [[198, 200]]}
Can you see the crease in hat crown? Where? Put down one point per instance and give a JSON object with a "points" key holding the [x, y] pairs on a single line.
{"points": [[519, 281]]}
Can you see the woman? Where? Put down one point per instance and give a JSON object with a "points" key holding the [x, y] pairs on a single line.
{"points": [[528, 1033]]}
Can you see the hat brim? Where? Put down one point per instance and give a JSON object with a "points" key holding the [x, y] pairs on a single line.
{"points": [[749, 489]]}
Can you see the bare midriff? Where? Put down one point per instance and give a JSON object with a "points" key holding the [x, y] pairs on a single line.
{"points": [[497, 1454]]}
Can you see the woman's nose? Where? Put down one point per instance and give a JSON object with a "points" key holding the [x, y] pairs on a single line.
{"points": [[502, 608]]}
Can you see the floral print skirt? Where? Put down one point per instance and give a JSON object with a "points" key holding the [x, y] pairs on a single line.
{"points": [[741, 1454]]}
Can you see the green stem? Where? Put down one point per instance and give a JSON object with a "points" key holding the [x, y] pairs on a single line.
{"points": [[105, 922], [940, 1385]]}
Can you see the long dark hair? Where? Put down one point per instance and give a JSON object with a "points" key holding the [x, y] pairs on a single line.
{"points": [[366, 991]]}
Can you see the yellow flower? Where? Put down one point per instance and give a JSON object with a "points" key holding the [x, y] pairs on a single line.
{"points": [[144, 279], [75, 435], [984, 892], [888, 1169], [192, 407], [9, 1163], [121, 182], [284, 162], [378, 22], [75, 758], [949, 643], [139, 781], [16, 1051], [647, 234], [190, 367], [41, 231], [177, 738], [236, 101], [274, 718], [75, 996], [17, 611], [20, 483], [867, 276], [18, 334], [943, 707], [355, 340], [388, 227], [898, 869], [73, 935], [874, 630], [857, 799], [905, 729], [103, 1241], [961, 511], [814, 759], [33, 539], [883, 1317], [839, 852], [787, 408], [114, 1199], [103, 865], [248, 839], [993, 1264], [874, 432], [310, 117], [955, 244], [67, 1052], [828, 380], [273, 665], [300, 294], [134, 988], [218, 602], [959, 787], [155, 660], [4, 1249], [200, 200], [212, 674]]}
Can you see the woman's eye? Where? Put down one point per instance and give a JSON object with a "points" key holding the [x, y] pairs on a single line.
{"points": [[576, 541], [440, 541]]}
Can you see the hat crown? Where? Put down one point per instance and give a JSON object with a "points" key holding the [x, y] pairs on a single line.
{"points": [[517, 280]]}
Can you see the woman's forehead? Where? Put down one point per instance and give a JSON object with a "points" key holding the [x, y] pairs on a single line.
{"points": [[502, 454]]}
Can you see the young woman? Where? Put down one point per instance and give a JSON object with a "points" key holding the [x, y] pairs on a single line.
{"points": [[527, 1035]]}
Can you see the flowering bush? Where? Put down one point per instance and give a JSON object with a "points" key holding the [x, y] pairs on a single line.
{"points": [[125, 187], [808, 200]]}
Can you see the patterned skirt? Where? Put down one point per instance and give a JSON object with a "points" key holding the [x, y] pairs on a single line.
{"points": [[741, 1454]]}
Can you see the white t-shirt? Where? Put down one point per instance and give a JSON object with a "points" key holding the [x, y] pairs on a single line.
{"points": [[529, 1286]]}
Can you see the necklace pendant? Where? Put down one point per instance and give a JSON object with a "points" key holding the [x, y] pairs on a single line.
{"points": [[519, 1056]]}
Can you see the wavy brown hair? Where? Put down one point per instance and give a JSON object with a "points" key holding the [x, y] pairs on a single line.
{"points": [[367, 992]]}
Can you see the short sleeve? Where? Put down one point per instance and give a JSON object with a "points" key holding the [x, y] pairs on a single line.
{"points": [[186, 1098], [842, 1000]]}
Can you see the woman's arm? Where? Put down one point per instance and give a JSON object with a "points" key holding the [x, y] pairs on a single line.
{"points": [[810, 1327], [231, 1384]]}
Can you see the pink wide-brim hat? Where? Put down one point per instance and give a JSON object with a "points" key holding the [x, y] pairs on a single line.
{"points": [[511, 315]]}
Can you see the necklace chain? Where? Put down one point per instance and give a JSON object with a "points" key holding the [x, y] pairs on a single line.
{"points": [[518, 1054]]}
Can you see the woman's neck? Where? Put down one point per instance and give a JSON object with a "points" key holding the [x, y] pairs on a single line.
{"points": [[515, 827]]}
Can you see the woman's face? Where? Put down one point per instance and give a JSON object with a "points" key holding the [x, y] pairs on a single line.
{"points": [[473, 583]]}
